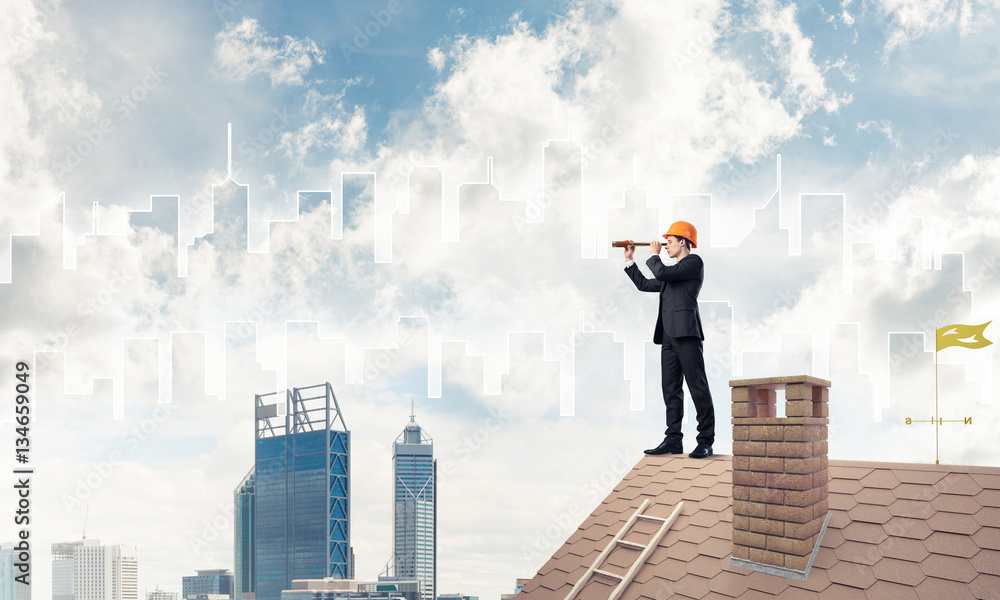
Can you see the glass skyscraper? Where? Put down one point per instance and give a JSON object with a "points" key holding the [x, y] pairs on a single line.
{"points": [[243, 500], [212, 581], [302, 490], [10, 588], [62, 569], [414, 544]]}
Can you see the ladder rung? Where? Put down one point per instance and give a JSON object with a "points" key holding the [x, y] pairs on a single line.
{"points": [[608, 574], [632, 544], [651, 518]]}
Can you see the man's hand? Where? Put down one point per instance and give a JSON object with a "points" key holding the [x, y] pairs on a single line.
{"points": [[629, 252], [654, 247]]}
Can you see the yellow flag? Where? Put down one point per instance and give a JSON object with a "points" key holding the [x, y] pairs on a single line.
{"points": [[966, 336]]}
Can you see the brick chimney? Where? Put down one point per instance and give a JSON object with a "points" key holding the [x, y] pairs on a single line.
{"points": [[780, 473]]}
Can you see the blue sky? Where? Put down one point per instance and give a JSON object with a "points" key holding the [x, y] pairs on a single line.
{"points": [[451, 249]]}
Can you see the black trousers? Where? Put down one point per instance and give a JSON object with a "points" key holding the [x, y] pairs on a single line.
{"points": [[682, 359]]}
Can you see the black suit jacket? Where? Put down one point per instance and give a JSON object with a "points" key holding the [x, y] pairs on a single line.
{"points": [[678, 286]]}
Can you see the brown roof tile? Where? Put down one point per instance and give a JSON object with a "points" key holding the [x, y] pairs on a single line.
{"points": [[886, 590], [865, 532], [694, 534], [825, 558], [985, 586], [958, 483], [987, 537], [766, 583], [914, 491], [904, 549], [915, 509], [842, 502], [716, 548], [988, 561], [692, 586], [716, 503], [598, 588], [988, 516], [942, 589], [917, 529], [844, 592], [728, 584], [880, 478], [952, 522], [852, 574], [909, 474], [817, 581], [684, 551], [876, 496], [968, 505], [705, 566], [987, 480], [895, 531], [951, 544], [868, 513], [898, 571], [849, 486], [857, 552], [948, 567], [623, 557]]}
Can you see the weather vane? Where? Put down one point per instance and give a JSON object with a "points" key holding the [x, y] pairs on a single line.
{"points": [[964, 336]]}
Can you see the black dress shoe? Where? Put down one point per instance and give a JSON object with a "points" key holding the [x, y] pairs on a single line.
{"points": [[701, 451], [666, 447]]}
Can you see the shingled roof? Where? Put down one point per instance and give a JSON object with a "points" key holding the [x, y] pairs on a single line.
{"points": [[926, 532], [895, 531]]}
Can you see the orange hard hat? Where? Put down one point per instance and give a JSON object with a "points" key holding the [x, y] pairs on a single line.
{"points": [[685, 230]]}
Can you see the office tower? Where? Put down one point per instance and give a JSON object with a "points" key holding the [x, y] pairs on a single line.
{"points": [[243, 499], [302, 490], [99, 572], [10, 588], [159, 594], [414, 544], [62, 570], [212, 581]]}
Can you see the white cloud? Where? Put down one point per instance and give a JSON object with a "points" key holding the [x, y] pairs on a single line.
{"points": [[884, 127], [345, 133], [243, 50], [805, 86], [436, 58], [908, 20]]}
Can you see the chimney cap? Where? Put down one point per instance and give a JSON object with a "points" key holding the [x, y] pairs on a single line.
{"points": [[777, 382]]}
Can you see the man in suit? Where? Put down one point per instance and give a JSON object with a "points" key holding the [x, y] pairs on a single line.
{"points": [[679, 333]]}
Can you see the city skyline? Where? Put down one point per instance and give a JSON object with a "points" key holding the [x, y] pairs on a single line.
{"points": [[208, 201]]}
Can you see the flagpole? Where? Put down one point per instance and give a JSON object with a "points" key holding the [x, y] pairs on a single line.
{"points": [[937, 450]]}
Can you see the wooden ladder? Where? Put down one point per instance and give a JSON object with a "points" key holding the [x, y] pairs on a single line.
{"points": [[644, 551]]}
